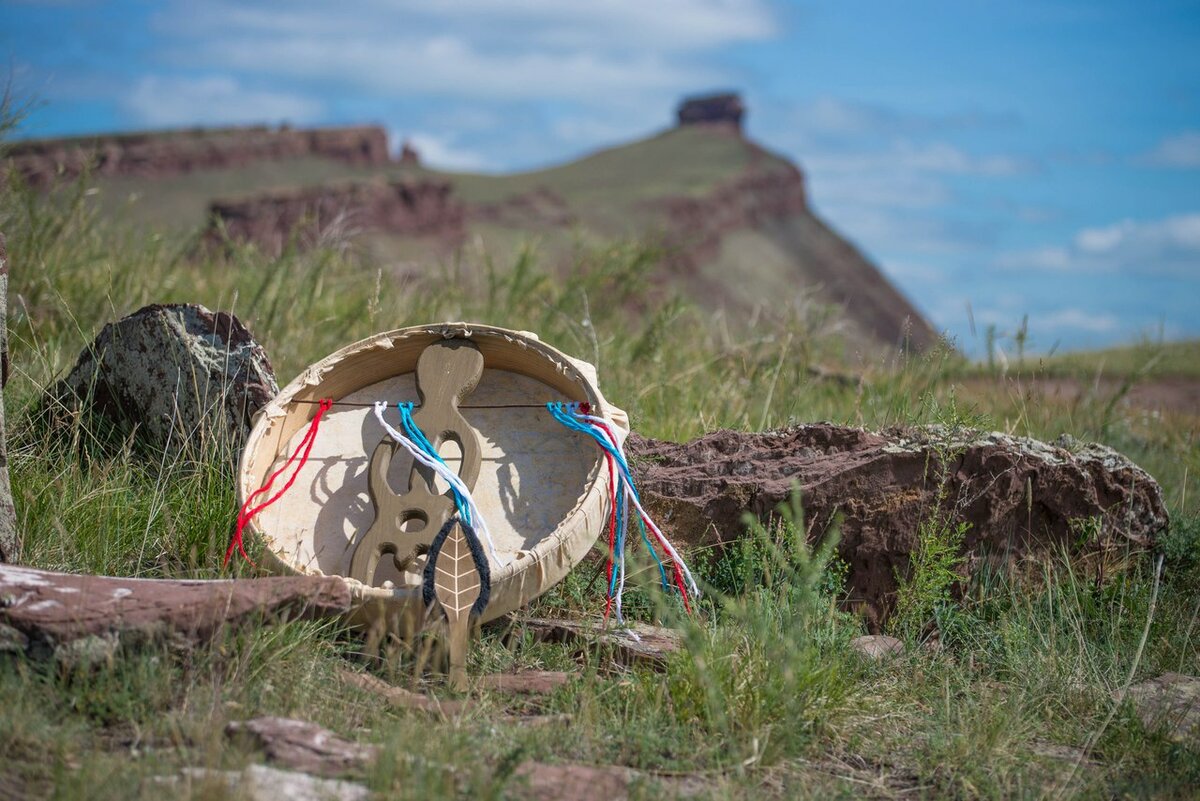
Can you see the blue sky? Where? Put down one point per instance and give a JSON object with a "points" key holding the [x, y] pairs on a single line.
{"points": [[1011, 158]]}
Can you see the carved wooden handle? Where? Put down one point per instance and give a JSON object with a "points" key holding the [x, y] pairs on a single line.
{"points": [[447, 372]]}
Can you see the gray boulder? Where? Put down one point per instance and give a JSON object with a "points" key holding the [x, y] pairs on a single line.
{"points": [[170, 375]]}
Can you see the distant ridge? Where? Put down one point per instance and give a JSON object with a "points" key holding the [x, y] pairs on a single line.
{"points": [[155, 154], [737, 228]]}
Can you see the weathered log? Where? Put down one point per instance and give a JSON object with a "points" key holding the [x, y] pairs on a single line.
{"points": [[57, 613], [10, 540]]}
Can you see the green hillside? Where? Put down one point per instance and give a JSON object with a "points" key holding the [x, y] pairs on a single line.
{"points": [[1146, 359], [746, 263], [607, 186]]}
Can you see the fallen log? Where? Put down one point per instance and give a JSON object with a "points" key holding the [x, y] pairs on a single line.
{"points": [[44, 612]]}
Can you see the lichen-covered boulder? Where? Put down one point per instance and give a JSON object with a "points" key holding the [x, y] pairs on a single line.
{"points": [[1021, 498], [174, 375]]}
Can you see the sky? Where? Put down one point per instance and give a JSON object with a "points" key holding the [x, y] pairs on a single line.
{"points": [[998, 160]]}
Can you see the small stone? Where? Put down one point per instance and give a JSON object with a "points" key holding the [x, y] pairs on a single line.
{"points": [[400, 697], [1170, 702], [261, 783], [538, 781], [304, 746], [527, 682], [636, 642], [12, 641], [877, 646], [93, 650]]}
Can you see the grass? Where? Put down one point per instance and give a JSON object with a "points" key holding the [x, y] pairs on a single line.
{"points": [[767, 700]]}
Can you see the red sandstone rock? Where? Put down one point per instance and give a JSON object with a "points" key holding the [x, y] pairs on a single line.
{"points": [[57, 611], [400, 697], [636, 643], [306, 216], [539, 781], [527, 682], [409, 154], [539, 208], [300, 745], [157, 154], [1024, 499], [772, 201]]}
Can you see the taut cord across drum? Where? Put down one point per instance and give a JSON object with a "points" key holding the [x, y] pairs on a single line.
{"points": [[574, 416]]}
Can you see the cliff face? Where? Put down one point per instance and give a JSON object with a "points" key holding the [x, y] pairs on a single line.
{"points": [[738, 230], [405, 207], [158, 154], [772, 204], [696, 225]]}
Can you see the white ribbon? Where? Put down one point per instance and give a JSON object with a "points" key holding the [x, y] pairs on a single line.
{"points": [[447, 475]]}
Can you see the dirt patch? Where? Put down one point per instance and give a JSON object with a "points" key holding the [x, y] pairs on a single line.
{"points": [[1164, 395]]}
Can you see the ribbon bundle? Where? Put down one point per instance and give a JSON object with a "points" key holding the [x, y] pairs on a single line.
{"points": [[623, 493], [422, 450]]}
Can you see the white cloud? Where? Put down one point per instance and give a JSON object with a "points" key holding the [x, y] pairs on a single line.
{"points": [[450, 66], [1074, 319], [840, 117], [663, 25], [442, 152], [596, 53], [1168, 246], [1181, 151], [214, 99], [1050, 257], [935, 157]]}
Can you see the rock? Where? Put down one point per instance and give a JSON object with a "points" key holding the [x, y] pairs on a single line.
{"points": [[571, 781], [158, 154], [304, 746], [1170, 703], [636, 643], [725, 109], [10, 539], [311, 215], [877, 646], [259, 783], [1024, 499], [86, 616], [12, 640], [539, 781], [174, 373], [399, 697], [409, 155], [527, 682]]}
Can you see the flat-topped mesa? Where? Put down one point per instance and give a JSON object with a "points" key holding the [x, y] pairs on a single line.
{"points": [[157, 154], [724, 109], [271, 220]]}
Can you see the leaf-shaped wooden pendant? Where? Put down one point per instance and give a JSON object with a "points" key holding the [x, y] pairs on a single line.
{"points": [[457, 576]]}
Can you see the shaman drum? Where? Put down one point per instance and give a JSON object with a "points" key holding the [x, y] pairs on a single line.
{"points": [[541, 488]]}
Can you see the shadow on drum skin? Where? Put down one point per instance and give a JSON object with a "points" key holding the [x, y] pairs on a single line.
{"points": [[534, 471]]}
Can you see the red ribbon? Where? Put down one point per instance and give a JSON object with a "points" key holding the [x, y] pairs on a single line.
{"points": [[247, 512]]}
